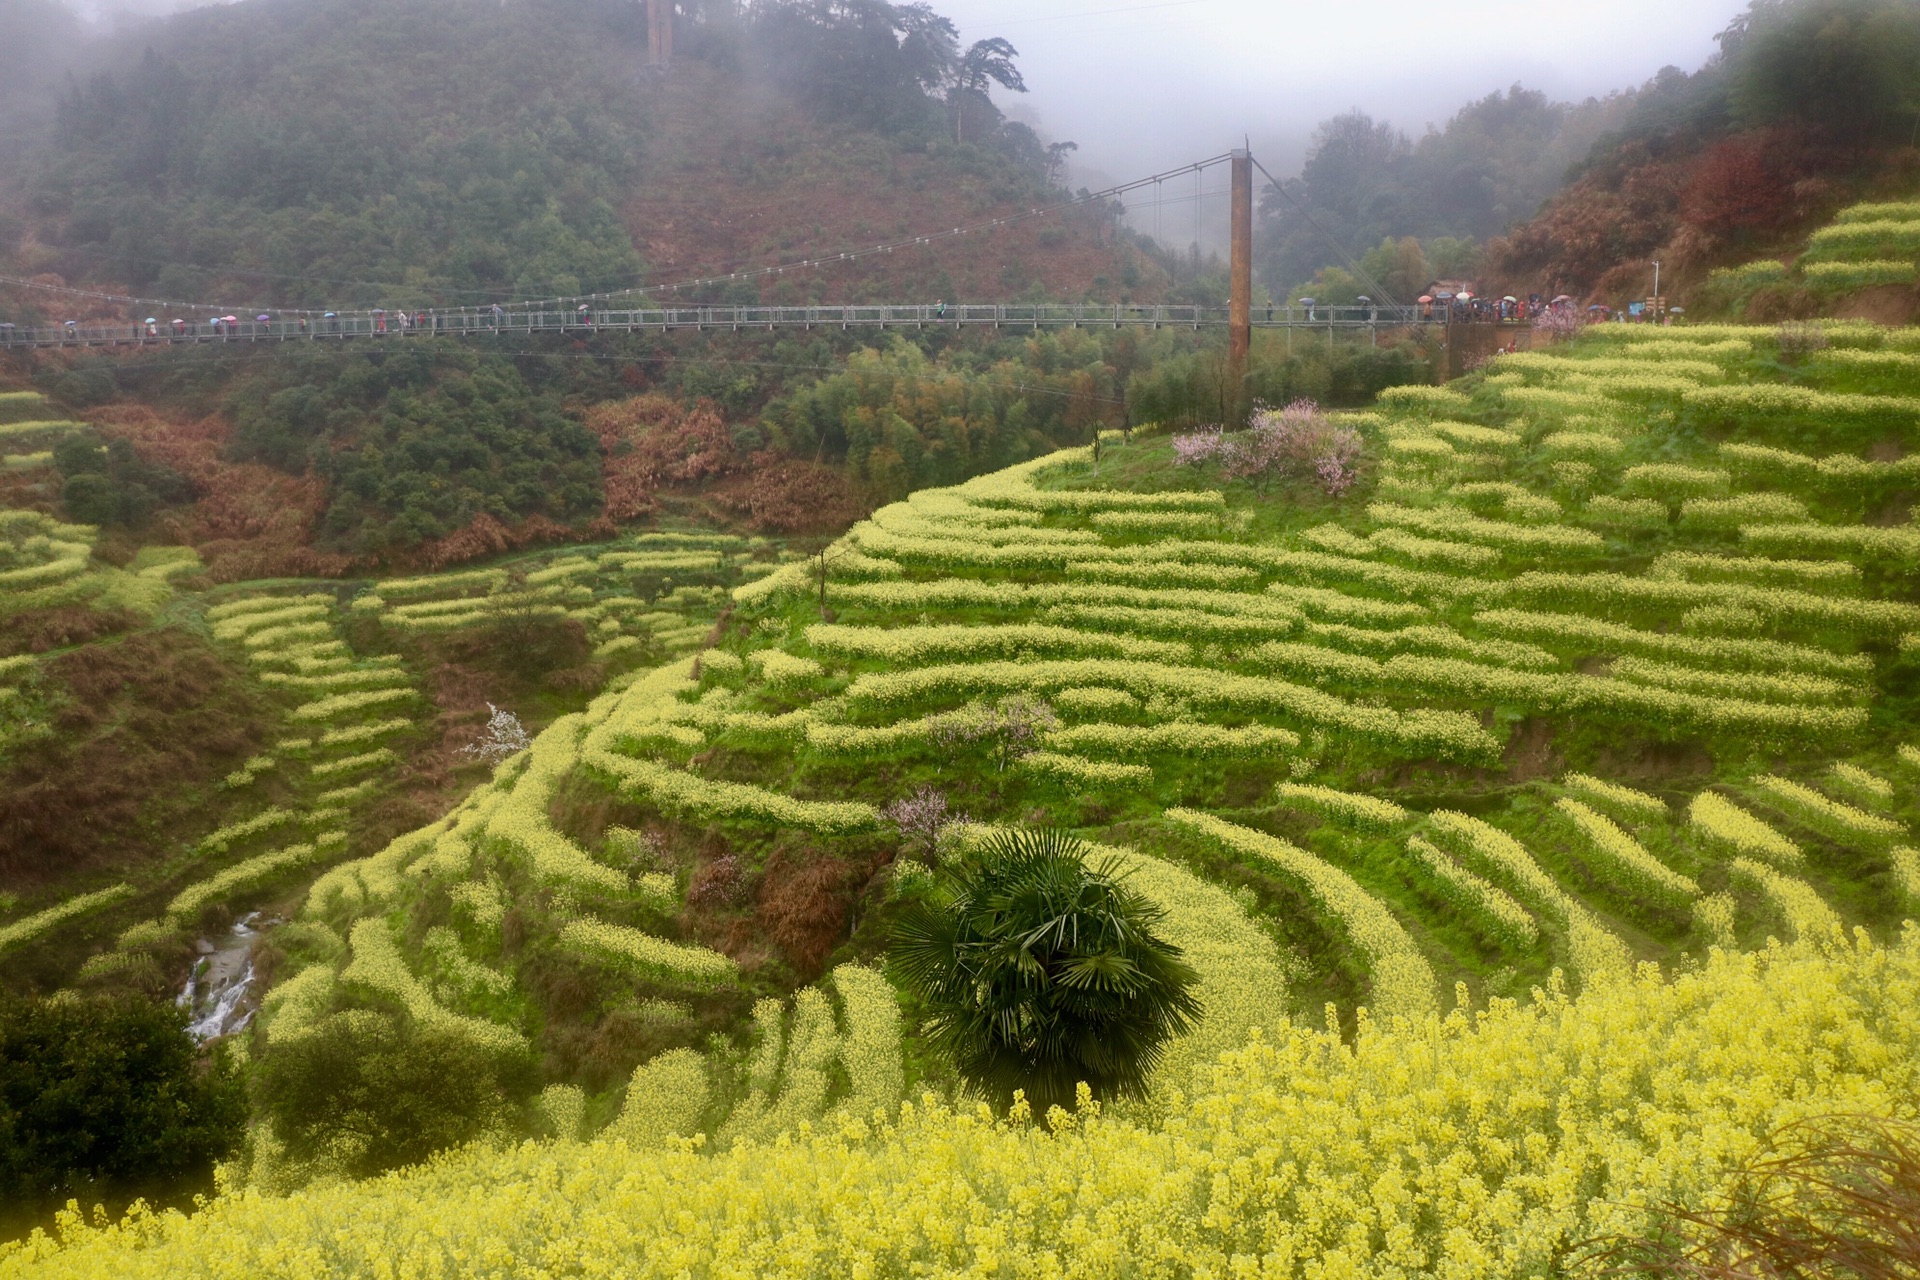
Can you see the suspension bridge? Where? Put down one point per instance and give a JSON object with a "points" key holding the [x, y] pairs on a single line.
{"points": [[480, 323], [634, 311]]}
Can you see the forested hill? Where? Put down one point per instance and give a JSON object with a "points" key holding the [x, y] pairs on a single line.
{"points": [[1809, 105], [302, 152]]}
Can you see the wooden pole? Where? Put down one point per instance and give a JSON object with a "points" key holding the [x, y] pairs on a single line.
{"points": [[659, 33], [1240, 304]]}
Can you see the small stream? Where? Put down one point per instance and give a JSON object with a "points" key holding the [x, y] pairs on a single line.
{"points": [[219, 994]]}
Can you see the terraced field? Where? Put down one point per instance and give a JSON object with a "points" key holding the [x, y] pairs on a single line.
{"points": [[351, 713], [1609, 661], [1864, 247]]}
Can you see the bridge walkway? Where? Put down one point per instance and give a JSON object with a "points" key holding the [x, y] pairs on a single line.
{"points": [[313, 327]]}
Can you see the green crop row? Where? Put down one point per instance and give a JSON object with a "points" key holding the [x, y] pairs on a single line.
{"points": [[1599, 636], [1625, 861], [1725, 824], [1492, 912], [1403, 984], [920, 644], [1447, 735], [1181, 737]]}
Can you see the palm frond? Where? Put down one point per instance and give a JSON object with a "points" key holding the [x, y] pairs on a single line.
{"points": [[1041, 972]]}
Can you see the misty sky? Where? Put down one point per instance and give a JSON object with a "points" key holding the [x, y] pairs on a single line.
{"points": [[1143, 85]]}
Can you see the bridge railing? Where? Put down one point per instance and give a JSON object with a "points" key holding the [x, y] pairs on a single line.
{"points": [[468, 322]]}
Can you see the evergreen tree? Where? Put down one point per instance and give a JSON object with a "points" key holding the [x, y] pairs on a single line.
{"points": [[1040, 972]]}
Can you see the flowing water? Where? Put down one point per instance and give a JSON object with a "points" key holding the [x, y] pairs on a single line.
{"points": [[219, 994]]}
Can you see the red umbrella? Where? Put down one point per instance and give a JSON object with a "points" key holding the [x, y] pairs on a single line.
{"points": [[1426, 297]]}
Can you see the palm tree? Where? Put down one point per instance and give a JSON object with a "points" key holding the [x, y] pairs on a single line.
{"points": [[986, 62], [1040, 972]]}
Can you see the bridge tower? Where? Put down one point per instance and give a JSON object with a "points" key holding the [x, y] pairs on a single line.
{"points": [[1240, 298], [659, 34]]}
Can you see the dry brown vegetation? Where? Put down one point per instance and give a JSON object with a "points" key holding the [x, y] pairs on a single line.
{"points": [[1694, 203], [141, 727], [1832, 1198], [761, 184], [247, 520]]}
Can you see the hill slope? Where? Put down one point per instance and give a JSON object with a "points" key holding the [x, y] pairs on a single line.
{"points": [[461, 153], [1586, 668], [1806, 108], [1561, 686]]}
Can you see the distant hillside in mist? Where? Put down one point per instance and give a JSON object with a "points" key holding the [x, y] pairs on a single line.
{"points": [[1809, 105], [302, 152]]}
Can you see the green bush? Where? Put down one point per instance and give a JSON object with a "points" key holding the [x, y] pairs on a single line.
{"points": [[363, 1092], [106, 1101]]}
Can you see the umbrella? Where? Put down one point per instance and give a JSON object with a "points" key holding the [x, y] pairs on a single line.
{"points": [[1565, 297], [150, 320], [1426, 297], [263, 317], [1509, 298], [231, 319], [331, 315], [1676, 311], [379, 311], [1364, 299], [1306, 302], [1464, 296]]}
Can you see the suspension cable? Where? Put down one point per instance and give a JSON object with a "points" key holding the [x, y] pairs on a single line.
{"points": [[1360, 273], [804, 264]]}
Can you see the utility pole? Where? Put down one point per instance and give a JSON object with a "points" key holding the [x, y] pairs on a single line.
{"points": [[659, 33], [1240, 299]]}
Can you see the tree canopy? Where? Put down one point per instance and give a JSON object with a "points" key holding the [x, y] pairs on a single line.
{"points": [[1041, 972]]}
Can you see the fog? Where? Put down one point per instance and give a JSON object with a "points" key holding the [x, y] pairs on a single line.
{"points": [[1145, 85], [1148, 85]]}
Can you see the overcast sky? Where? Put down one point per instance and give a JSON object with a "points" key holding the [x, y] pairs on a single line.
{"points": [[1143, 85], [1146, 85]]}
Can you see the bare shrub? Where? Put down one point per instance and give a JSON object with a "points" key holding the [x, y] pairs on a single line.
{"points": [[1832, 1196], [718, 882], [1012, 726], [1801, 337], [920, 818], [1558, 324]]}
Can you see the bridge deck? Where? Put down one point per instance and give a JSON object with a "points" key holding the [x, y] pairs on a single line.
{"points": [[311, 327]]}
